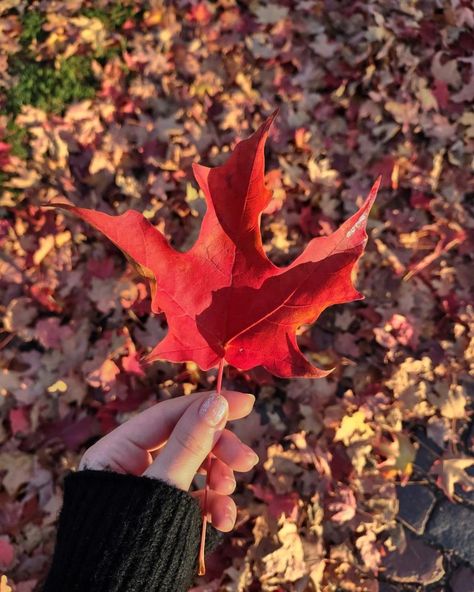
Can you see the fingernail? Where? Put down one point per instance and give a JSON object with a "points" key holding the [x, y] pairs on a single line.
{"points": [[240, 395], [231, 484], [252, 457], [213, 409], [228, 521]]}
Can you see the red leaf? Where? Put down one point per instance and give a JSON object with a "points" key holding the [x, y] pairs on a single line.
{"points": [[224, 298], [200, 13], [4, 154], [71, 430], [19, 420], [7, 552], [278, 504]]}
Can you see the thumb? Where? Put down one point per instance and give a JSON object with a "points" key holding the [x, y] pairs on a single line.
{"points": [[192, 439]]}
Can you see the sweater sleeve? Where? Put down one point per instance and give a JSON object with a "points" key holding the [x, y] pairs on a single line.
{"points": [[123, 533]]}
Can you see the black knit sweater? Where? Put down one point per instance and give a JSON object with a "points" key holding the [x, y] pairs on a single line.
{"points": [[122, 533]]}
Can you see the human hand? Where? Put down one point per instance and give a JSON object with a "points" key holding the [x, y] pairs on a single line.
{"points": [[172, 440]]}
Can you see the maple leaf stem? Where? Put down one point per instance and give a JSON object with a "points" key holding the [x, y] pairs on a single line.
{"points": [[202, 561], [220, 374]]}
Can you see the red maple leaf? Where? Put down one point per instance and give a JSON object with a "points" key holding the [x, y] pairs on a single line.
{"points": [[224, 299]]}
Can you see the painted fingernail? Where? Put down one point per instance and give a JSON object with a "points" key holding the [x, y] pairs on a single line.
{"points": [[213, 409]]}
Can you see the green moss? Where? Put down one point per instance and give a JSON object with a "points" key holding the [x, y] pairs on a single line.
{"points": [[41, 85], [106, 53], [113, 18], [32, 23]]}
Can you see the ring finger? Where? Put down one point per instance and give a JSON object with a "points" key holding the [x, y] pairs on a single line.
{"points": [[234, 453], [222, 478], [222, 509]]}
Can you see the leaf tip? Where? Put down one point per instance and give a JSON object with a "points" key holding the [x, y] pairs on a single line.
{"points": [[267, 124], [274, 114], [324, 373], [373, 191]]}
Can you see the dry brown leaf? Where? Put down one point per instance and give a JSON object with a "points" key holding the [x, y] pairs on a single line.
{"points": [[451, 471]]}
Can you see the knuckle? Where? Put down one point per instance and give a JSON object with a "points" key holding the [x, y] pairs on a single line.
{"points": [[188, 441]]}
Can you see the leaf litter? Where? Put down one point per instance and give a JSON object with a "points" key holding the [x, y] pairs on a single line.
{"points": [[362, 90]]}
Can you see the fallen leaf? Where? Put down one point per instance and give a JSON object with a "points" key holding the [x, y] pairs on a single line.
{"points": [[271, 13], [288, 559], [451, 471], [7, 553], [4, 587], [369, 551], [345, 507], [104, 376], [353, 429], [400, 452], [447, 72], [19, 469], [19, 421]]}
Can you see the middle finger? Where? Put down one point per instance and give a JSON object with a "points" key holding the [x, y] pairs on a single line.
{"points": [[234, 453], [221, 478]]}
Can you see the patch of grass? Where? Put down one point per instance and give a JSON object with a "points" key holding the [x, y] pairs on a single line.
{"points": [[42, 86], [104, 54], [113, 18], [32, 23]]}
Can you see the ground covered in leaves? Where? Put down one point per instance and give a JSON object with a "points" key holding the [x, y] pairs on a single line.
{"points": [[365, 480]]}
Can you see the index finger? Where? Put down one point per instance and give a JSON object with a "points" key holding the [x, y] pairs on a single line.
{"points": [[152, 428]]}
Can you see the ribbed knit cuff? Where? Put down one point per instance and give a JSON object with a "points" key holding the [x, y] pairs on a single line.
{"points": [[123, 533]]}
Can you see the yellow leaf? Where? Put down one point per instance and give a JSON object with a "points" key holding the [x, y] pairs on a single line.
{"points": [[23, 180], [59, 385], [100, 162], [353, 429], [454, 406], [400, 453], [62, 238], [46, 244], [92, 30], [4, 587], [153, 17]]}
